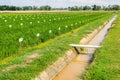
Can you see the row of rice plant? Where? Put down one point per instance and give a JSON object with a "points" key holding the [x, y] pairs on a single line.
{"points": [[28, 29]]}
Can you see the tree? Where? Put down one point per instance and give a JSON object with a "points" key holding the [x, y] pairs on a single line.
{"points": [[80, 8], [86, 8], [47, 7], [4, 7], [74, 8], [34, 8], [12, 8], [115, 7], [27, 8], [18, 8], [96, 7]]}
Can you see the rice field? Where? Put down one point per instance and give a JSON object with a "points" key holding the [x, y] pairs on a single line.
{"points": [[21, 30], [50, 32]]}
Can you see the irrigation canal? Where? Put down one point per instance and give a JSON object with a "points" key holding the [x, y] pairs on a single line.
{"points": [[79, 64]]}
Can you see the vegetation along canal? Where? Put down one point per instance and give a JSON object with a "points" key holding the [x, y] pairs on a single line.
{"points": [[79, 64]]}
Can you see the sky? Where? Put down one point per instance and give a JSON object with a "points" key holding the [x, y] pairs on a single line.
{"points": [[58, 3]]}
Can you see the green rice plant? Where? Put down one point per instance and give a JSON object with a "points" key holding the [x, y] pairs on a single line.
{"points": [[14, 26]]}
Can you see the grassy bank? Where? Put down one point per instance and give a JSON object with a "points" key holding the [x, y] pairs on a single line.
{"points": [[106, 64], [48, 53]]}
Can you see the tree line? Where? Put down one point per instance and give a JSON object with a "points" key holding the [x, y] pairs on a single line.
{"points": [[14, 8], [94, 7], [73, 8]]}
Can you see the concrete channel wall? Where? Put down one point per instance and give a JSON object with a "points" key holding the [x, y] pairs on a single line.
{"points": [[90, 36], [57, 66]]}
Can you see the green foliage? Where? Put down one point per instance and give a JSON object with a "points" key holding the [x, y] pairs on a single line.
{"points": [[116, 7], [71, 8], [5, 7], [47, 7], [86, 8], [27, 8], [96, 7]]}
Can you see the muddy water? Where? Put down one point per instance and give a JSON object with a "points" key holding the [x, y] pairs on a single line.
{"points": [[79, 64]]}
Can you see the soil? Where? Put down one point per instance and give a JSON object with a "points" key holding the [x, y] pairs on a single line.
{"points": [[28, 59]]}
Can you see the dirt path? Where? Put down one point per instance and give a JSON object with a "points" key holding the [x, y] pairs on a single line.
{"points": [[79, 64], [27, 59]]}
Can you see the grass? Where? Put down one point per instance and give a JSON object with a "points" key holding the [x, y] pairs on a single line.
{"points": [[106, 65], [49, 51]]}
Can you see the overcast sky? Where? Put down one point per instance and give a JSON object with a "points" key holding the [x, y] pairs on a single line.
{"points": [[58, 3]]}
